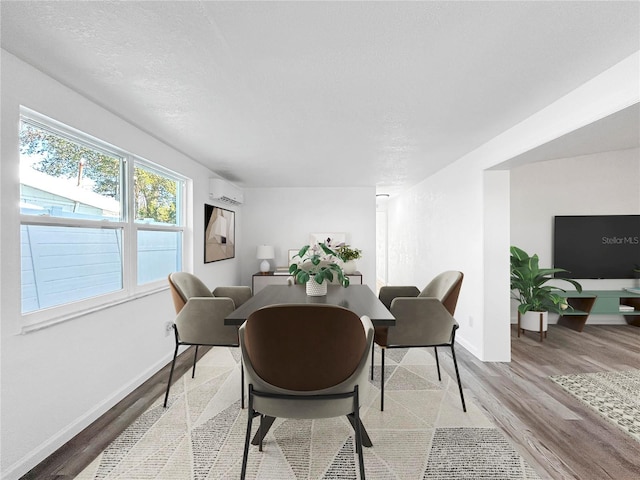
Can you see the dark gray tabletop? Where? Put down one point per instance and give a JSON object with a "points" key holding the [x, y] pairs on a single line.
{"points": [[357, 298]]}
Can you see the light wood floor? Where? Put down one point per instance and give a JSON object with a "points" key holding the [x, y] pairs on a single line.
{"points": [[559, 437]]}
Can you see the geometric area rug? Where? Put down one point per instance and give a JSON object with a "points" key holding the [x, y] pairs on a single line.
{"points": [[423, 433], [614, 395]]}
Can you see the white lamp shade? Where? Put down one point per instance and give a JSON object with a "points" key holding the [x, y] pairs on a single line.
{"points": [[265, 253]]}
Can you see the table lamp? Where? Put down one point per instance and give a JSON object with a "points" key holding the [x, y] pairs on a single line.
{"points": [[265, 253]]}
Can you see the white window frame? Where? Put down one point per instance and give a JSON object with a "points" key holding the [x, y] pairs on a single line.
{"points": [[45, 317]]}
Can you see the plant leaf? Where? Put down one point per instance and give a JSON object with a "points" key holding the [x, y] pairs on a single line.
{"points": [[303, 251]]}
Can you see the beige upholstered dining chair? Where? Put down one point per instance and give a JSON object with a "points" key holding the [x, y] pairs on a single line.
{"points": [[305, 361], [200, 317], [423, 319]]}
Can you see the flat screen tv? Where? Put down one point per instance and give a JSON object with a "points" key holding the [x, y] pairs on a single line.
{"points": [[596, 246]]}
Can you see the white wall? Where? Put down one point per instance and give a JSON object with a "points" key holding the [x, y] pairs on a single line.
{"points": [[444, 221], [284, 218], [600, 184], [57, 380], [437, 226]]}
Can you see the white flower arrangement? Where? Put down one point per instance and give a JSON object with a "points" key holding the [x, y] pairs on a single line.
{"points": [[317, 262]]}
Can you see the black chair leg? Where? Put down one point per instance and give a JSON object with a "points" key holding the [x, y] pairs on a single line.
{"points": [[435, 349], [195, 358], [245, 456], [373, 347], [382, 381], [455, 364], [358, 431], [173, 364], [261, 432], [241, 385]]}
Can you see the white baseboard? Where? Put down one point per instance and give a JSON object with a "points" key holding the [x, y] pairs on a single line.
{"points": [[468, 347], [49, 446]]}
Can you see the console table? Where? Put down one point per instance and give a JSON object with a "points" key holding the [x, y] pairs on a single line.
{"points": [[261, 280], [599, 302]]}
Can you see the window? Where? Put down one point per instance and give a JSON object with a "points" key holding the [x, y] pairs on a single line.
{"points": [[158, 207], [97, 224]]}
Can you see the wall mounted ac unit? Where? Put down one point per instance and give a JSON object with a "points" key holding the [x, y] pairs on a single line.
{"points": [[223, 191]]}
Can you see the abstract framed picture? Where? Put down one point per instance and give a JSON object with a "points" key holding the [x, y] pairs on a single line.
{"points": [[219, 234]]}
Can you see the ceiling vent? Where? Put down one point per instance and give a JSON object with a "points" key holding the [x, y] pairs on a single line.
{"points": [[223, 191]]}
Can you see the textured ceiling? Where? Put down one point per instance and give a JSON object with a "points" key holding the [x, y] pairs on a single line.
{"points": [[322, 93]]}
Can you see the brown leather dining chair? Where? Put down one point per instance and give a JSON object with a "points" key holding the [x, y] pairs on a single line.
{"points": [[423, 319], [200, 317], [305, 361]]}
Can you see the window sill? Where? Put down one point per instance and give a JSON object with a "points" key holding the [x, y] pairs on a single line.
{"points": [[55, 320]]}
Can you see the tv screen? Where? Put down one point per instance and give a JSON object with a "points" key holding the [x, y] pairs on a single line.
{"points": [[597, 246]]}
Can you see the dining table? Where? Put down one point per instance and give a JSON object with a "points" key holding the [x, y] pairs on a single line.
{"points": [[357, 298]]}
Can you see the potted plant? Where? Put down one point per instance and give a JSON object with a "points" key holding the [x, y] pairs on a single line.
{"points": [[349, 256], [316, 267], [529, 287]]}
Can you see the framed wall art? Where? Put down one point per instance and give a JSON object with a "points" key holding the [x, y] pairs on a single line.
{"points": [[219, 234]]}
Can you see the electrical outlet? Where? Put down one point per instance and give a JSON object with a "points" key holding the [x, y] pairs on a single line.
{"points": [[167, 328], [470, 321]]}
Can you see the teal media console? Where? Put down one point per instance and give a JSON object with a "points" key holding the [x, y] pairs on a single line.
{"points": [[599, 302]]}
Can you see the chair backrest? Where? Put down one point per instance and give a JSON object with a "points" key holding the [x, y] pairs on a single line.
{"points": [[304, 347], [446, 288], [184, 286]]}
